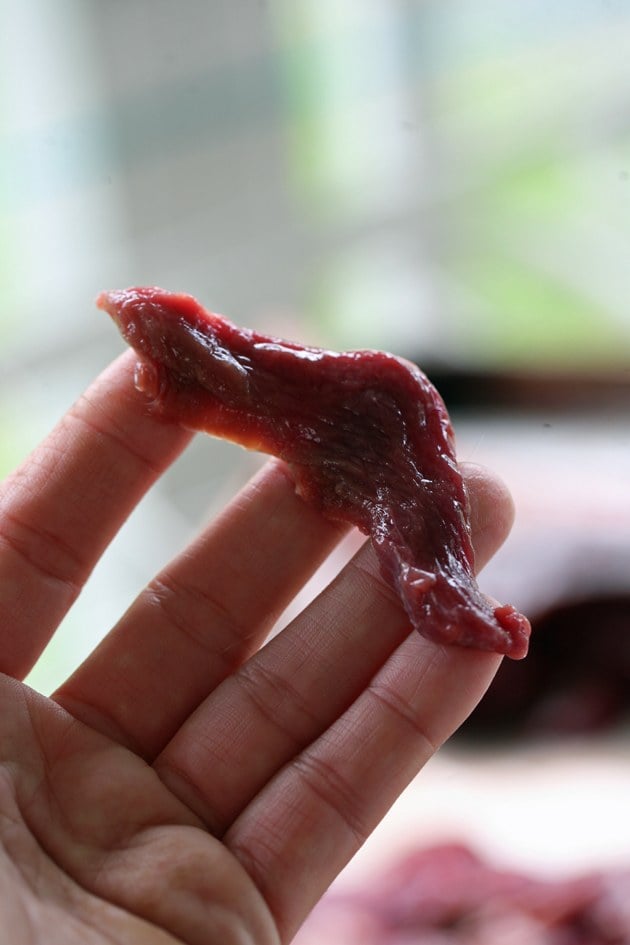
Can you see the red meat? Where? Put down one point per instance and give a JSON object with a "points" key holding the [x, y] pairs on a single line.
{"points": [[367, 436], [449, 895]]}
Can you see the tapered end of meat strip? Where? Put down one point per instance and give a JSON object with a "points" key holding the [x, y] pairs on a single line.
{"points": [[367, 436]]}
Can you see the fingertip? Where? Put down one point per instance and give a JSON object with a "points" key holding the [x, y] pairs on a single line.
{"points": [[492, 510]]}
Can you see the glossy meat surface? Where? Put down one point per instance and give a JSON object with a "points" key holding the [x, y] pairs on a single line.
{"points": [[367, 436]]}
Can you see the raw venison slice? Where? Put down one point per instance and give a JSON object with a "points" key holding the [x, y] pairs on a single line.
{"points": [[367, 436]]}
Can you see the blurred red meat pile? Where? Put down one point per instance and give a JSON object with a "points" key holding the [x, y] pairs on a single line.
{"points": [[448, 895]]}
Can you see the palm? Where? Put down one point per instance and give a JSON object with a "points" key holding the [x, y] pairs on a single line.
{"points": [[117, 857], [188, 784]]}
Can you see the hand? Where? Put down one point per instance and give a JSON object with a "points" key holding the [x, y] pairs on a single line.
{"points": [[188, 784]]}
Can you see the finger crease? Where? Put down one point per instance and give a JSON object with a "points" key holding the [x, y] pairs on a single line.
{"points": [[173, 599], [26, 551], [325, 782], [396, 706], [97, 718], [113, 436], [275, 699], [180, 783], [375, 582]]}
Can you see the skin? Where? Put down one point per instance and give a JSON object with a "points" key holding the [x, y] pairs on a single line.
{"points": [[187, 784]]}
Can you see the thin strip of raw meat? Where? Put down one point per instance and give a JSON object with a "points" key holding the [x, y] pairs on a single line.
{"points": [[367, 436]]}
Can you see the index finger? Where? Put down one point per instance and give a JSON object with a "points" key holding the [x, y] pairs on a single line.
{"points": [[61, 508]]}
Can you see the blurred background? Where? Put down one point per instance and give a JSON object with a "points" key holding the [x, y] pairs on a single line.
{"points": [[446, 180]]}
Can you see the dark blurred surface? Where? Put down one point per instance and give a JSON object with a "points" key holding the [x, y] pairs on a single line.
{"points": [[575, 680], [574, 392]]}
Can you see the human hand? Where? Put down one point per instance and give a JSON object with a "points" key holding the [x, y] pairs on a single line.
{"points": [[188, 784]]}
